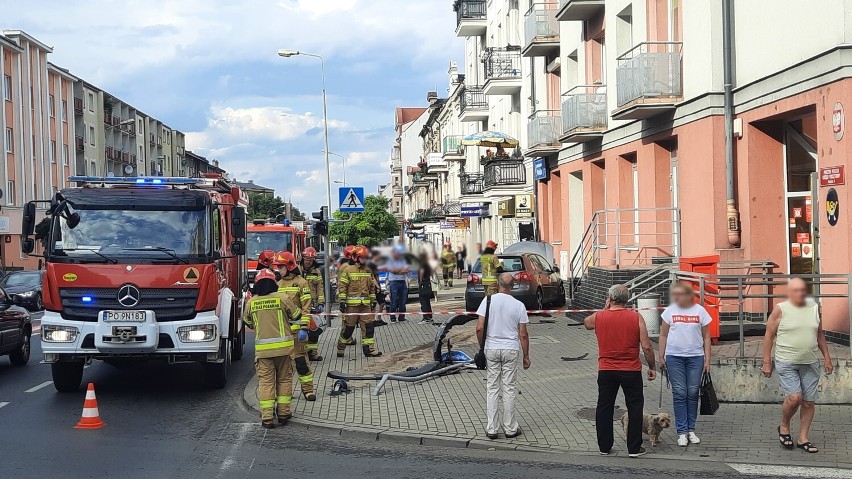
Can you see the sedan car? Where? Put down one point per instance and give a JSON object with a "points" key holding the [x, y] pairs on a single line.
{"points": [[15, 330], [537, 282], [24, 287]]}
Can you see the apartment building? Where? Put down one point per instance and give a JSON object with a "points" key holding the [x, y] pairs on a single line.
{"points": [[38, 133]]}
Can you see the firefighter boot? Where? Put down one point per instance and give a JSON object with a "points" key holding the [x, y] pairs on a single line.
{"points": [[344, 340], [313, 345], [368, 343], [306, 377], [283, 412]]}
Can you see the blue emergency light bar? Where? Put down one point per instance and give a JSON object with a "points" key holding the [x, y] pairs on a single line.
{"points": [[153, 181]]}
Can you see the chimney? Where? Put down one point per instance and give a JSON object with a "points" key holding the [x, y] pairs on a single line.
{"points": [[251, 182], [431, 97]]}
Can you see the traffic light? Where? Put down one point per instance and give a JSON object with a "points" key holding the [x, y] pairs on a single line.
{"points": [[321, 226]]}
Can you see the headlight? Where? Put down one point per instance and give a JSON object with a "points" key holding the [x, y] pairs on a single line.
{"points": [[197, 333], [26, 294], [51, 333]]}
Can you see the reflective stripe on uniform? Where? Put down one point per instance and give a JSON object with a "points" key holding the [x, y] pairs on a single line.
{"points": [[273, 343], [295, 327], [368, 341], [313, 346], [289, 289], [284, 399], [307, 378], [267, 403], [268, 304], [489, 280]]}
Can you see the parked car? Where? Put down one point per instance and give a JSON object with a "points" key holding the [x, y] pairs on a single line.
{"points": [[24, 287], [537, 282], [413, 268], [15, 330]]}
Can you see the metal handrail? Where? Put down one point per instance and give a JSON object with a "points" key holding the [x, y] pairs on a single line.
{"points": [[652, 274], [643, 45]]}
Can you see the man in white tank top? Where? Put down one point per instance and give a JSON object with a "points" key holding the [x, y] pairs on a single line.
{"points": [[795, 329]]}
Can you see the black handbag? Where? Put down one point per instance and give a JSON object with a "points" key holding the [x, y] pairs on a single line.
{"points": [[708, 400], [479, 359]]}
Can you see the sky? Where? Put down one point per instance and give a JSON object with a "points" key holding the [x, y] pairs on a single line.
{"points": [[209, 68]]}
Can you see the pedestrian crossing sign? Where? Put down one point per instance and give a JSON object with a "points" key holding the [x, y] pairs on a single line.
{"points": [[351, 199]]}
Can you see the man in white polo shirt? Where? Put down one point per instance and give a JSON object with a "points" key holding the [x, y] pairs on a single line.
{"points": [[504, 339]]}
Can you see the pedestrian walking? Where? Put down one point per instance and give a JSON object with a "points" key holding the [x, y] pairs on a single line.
{"points": [[491, 267], [460, 258], [504, 341], [795, 329], [397, 268], [620, 332], [424, 281], [270, 314], [685, 354]]}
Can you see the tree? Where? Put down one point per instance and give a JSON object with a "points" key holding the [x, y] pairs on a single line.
{"points": [[265, 207], [369, 228]]}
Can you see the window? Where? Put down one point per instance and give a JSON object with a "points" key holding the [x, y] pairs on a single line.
{"points": [[92, 135], [7, 88], [93, 168], [10, 192], [53, 151], [65, 155], [91, 102], [64, 111], [51, 107], [9, 140], [217, 228], [139, 130]]}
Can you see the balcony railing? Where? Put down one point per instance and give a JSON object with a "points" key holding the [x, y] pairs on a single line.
{"points": [[502, 63], [473, 98], [469, 10], [540, 24], [471, 183], [451, 145], [505, 173], [544, 128], [649, 70], [584, 108]]}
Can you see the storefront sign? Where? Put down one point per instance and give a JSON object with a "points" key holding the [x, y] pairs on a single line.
{"points": [[455, 224], [832, 206], [838, 121], [803, 237], [540, 169], [832, 176], [474, 211], [4, 225], [524, 206]]}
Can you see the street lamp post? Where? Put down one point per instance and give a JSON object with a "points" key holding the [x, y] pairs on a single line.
{"points": [[327, 244], [344, 165]]}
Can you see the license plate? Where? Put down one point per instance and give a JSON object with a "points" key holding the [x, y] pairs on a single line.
{"points": [[121, 316]]}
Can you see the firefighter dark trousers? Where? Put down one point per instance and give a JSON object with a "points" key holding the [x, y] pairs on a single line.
{"points": [[275, 385], [368, 340]]}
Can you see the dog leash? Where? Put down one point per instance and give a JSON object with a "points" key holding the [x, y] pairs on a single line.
{"points": [[664, 373]]}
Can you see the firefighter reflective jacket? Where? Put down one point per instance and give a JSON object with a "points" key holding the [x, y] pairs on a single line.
{"points": [[294, 288], [448, 259], [313, 276], [270, 317], [490, 266], [355, 285]]}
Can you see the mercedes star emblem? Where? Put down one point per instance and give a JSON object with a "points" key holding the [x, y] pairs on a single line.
{"points": [[128, 296]]}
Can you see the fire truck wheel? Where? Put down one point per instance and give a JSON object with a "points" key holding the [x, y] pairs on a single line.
{"points": [[239, 341], [216, 374], [67, 376]]}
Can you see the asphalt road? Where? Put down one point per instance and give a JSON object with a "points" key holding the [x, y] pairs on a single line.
{"points": [[162, 423]]}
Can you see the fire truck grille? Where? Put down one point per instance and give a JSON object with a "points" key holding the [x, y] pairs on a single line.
{"points": [[168, 304]]}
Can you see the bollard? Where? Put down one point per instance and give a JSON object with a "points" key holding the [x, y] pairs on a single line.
{"points": [[648, 306]]}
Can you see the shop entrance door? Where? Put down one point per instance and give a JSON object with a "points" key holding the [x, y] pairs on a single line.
{"points": [[800, 152]]}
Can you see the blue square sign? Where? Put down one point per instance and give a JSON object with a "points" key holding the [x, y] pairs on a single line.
{"points": [[351, 199]]}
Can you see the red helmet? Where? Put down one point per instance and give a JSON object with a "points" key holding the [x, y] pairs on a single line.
{"points": [[285, 259], [264, 274], [360, 252], [491, 244], [309, 252], [347, 251], [266, 257]]}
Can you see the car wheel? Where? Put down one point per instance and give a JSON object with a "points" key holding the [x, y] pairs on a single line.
{"points": [[561, 299], [216, 374], [22, 356], [67, 375], [239, 345]]}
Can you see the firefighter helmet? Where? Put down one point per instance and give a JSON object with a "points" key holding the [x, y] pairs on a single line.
{"points": [[309, 252], [360, 252], [264, 274], [285, 259], [347, 251], [491, 244], [266, 257]]}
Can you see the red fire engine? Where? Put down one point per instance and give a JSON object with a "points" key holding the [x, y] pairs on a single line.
{"points": [[266, 234]]}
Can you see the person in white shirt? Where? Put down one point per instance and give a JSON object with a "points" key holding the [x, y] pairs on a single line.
{"points": [[503, 341], [685, 354]]}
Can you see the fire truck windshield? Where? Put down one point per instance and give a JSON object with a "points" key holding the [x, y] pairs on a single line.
{"points": [[113, 234], [273, 240]]}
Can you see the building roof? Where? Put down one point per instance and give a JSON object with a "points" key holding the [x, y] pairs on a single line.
{"points": [[62, 72], [8, 42], [26, 36], [407, 115], [251, 187]]}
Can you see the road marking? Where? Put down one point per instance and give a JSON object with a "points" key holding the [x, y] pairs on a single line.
{"points": [[3, 404], [792, 471], [40, 386]]}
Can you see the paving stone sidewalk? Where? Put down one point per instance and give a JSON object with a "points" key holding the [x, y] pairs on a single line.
{"points": [[555, 403]]}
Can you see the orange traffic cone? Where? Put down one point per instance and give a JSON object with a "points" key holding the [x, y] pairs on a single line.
{"points": [[91, 418]]}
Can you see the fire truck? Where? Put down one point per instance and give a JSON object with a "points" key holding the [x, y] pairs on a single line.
{"points": [[141, 269], [267, 234]]}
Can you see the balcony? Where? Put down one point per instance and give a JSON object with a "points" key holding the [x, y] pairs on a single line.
{"points": [[504, 173], [502, 71], [470, 17], [78, 144], [78, 106], [584, 114], [541, 30], [474, 106], [397, 190], [543, 132], [579, 10], [452, 148], [648, 80], [471, 184]]}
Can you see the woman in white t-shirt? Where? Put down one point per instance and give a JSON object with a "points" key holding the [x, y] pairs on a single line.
{"points": [[685, 353]]}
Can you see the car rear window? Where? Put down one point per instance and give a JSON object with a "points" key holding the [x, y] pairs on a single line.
{"points": [[511, 264]]}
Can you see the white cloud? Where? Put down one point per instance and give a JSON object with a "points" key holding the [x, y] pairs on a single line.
{"points": [[257, 123]]}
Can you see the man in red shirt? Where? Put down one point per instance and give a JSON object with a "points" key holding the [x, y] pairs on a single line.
{"points": [[621, 332]]}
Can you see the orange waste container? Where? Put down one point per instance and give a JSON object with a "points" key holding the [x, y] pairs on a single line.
{"points": [[706, 265]]}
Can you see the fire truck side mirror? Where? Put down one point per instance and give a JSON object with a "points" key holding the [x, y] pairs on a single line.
{"points": [[238, 223], [29, 219], [238, 248]]}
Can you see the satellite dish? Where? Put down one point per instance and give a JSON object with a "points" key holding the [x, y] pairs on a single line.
{"points": [[128, 169]]}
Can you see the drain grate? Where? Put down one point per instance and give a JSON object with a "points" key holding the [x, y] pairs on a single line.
{"points": [[588, 413]]}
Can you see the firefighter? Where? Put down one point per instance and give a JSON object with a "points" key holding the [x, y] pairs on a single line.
{"points": [[346, 262], [265, 313], [356, 295], [294, 287], [448, 265], [491, 267], [265, 259], [313, 275]]}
